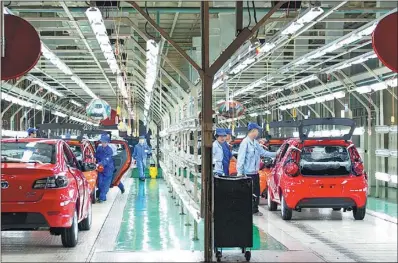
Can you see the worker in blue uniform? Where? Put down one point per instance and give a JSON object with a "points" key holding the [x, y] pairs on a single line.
{"points": [[32, 132], [104, 157], [218, 152], [114, 151], [227, 152], [248, 163], [140, 155]]}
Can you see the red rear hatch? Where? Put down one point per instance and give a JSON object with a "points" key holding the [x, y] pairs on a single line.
{"points": [[17, 181]]}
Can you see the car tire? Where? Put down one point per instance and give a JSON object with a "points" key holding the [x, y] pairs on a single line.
{"points": [[69, 235], [272, 206], [85, 224], [336, 209], [286, 212], [359, 213]]}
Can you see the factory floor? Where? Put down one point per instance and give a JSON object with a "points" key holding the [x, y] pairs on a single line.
{"points": [[145, 224]]}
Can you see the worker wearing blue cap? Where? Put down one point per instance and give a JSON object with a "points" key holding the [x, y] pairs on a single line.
{"points": [[248, 163], [227, 151], [218, 152], [32, 132], [104, 157], [140, 154]]}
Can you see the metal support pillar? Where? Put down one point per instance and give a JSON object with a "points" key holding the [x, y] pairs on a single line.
{"points": [[2, 39]]}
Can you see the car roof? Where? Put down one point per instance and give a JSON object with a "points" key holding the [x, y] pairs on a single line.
{"points": [[41, 140]]}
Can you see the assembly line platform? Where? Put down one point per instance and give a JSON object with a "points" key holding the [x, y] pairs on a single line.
{"points": [[146, 225]]}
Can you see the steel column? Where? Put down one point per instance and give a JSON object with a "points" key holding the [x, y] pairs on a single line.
{"points": [[239, 16]]}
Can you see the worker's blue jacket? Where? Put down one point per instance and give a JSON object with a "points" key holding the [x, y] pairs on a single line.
{"points": [[141, 152], [226, 158], [104, 157]]}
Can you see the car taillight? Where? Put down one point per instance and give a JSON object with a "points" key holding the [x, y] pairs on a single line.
{"points": [[358, 168], [57, 181]]}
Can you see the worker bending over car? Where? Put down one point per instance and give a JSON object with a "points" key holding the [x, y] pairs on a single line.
{"points": [[218, 152], [140, 155], [248, 163], [227, 152], [104, 155]]}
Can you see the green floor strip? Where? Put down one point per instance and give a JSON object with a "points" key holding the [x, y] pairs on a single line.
{"points": [[382, 206], [152, 221]]}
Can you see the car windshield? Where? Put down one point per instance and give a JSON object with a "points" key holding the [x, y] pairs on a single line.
{"points": [[98, 106], [325, 160], [77, 150], [27, 152]]}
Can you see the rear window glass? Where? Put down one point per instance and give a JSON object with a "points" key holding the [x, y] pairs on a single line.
{"points": [[24, 152], [325, 160], [77, 150]]}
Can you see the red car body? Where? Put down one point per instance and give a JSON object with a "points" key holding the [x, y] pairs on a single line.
{"points": [[43, 190], [295, 183]]}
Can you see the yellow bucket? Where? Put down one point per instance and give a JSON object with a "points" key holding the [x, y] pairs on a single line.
{"points": [[153, 172]]}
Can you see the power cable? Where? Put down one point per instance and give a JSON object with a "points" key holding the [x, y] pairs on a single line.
{"points": [[255, 16], [146, 24], [250, 15]]}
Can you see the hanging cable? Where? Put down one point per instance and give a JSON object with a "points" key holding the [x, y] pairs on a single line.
{"points": [[250, 15], [255, 16], [146, 24]]}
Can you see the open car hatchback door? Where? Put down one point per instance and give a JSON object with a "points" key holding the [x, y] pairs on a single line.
{"points": [[122, 159]]}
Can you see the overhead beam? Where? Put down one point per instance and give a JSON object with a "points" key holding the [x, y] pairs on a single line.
{"points": [[165, 35]]}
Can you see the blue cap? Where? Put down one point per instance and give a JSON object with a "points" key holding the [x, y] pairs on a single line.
{"points": [[142, 137], [104, 138], [252, 126], [31, 130], [228, 131], [220, 132]]}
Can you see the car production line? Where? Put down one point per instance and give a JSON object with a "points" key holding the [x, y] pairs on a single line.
{"points": [[311, 236]]}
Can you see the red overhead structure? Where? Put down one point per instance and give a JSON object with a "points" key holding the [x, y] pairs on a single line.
{"points": [[112, 120], [22, 47], [385, 41]]}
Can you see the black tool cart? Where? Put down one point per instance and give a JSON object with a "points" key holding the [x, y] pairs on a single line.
{"points": [[233, 214]]}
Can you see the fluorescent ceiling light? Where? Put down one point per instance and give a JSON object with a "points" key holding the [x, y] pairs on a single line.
{"points": [[255, 84], [55, 60], [82, 85], [274, 91], [374, 87], [60, 114], [392, 82], [97, 25], [44, 85], [20, 102], [152, 55], [76, 103], [301, 81], [319, 99], [122, 86], [266, 47], [77, 119], [307, 17]]}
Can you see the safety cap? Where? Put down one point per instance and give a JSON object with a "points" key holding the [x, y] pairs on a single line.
{"points": [[220, 132], [31, 130], [104, 138], [228, 131], [252, 126]]}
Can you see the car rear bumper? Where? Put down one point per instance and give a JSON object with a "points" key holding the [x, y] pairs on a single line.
{"points": [[50, 211], [344, 194]]}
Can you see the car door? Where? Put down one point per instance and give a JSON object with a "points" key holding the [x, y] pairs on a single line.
{"points": [[89, 157], [277, 170], [73, 167], [122, 161]]}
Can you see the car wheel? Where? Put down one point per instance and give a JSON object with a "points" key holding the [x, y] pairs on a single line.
{"points": [[359, 213], [287, 213], [336, 209], [272, 206], [85, 224], [69, 234]]}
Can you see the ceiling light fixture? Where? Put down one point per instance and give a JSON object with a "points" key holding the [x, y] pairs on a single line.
{"points": [[49, 55], [20, 102], [319, 99], [76, 103], [301, 81], [44, 85], [309, 16]]}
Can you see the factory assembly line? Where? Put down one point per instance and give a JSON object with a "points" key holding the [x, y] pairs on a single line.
{"points": [[208, 131]]}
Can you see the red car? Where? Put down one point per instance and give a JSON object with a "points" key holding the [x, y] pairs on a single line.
{"points": [[318, 172], [43, 187]]}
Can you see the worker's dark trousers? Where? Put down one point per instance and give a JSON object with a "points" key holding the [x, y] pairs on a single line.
{"points": [[256, 190]]}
